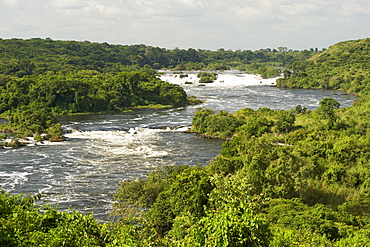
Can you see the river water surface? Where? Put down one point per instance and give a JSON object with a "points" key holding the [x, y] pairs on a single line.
{"points": [[83, 172]]}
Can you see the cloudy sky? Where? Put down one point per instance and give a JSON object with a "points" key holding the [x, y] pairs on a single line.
{"points": [[199, 24]]}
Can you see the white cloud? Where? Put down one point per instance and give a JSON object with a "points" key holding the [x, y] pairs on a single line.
{"points": [[173, 8], [249, 12], [11, 3], [300, 9], [353, 8], [67, 4], [108, 11], [208, 24]]}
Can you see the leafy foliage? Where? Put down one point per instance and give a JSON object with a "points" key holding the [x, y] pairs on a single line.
{"points": [[275, 182], [343, 66], [22, 224], [250, 122], [31, 102], [206, 77]]}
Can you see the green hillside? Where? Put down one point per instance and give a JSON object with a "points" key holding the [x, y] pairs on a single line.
{"points": [[344, 66]]}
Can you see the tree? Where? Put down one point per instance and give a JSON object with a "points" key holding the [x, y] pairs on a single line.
{"points": [[326, 111], [282, 49], [229, 220], [22, 224], [285, 121], [186, 193]]}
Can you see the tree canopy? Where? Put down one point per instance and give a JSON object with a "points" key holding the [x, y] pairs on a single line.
{"points": [[343, 66]]}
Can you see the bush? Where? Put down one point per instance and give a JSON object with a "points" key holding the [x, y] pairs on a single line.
{"points": [[206, 77], [22, 224]]}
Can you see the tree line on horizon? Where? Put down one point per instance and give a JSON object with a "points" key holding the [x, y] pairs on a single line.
{"points": [[38, 56]]}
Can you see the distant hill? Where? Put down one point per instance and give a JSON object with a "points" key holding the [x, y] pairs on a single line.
{"points": [[345, 66], [37, 56]]}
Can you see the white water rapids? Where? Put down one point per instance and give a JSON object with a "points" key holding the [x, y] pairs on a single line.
{"points": [[224, 79], [84, 172]]}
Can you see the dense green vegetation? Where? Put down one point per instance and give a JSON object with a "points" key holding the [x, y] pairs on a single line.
{"points": [[283, 178], [89, 91], [286, 178], [42, 78], [266, 70], [206, 77], [22, 224], [38, 56], [31, 102], [345, 66]]}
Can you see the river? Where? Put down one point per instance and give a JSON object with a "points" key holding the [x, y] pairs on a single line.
{"points": [[83, 172]]}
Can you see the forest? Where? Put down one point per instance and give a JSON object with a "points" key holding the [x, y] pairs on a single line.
{"points": [[38, 56], [283, 178]]}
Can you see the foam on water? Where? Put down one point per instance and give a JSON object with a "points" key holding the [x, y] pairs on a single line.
{"points": [[224, 79], [134, 142], [13, 178], [117, 137]]}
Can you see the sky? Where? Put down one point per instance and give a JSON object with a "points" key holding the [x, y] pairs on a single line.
{"points": [[198, 24]]}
